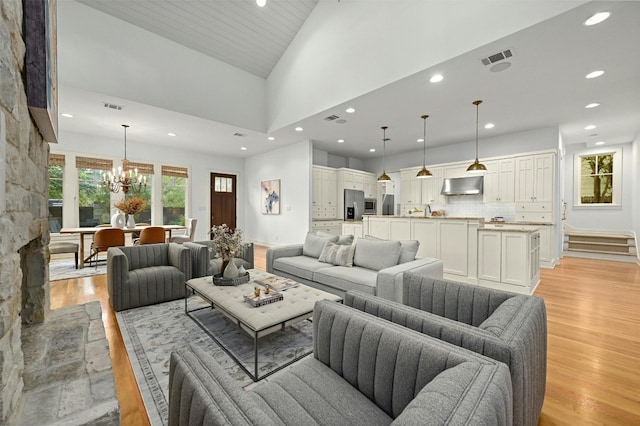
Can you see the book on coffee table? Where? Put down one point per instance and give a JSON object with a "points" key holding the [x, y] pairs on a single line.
{"points": [[278, 283], [263, 299]]}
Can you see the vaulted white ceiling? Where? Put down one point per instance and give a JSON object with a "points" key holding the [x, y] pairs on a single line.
{"points": [[544, 87]]}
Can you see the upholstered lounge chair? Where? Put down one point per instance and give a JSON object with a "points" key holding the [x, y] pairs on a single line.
{"points": [[364, 371], [189, 232], [147, 274], [507, 327]]}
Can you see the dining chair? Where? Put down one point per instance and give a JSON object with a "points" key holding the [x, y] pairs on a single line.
{"points": [[151, 235], [102, 240], [190, 224]]}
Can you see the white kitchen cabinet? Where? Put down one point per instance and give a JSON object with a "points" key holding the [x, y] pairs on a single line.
{"points": [[323, 197], [453, 251], [353, 228], [411, 188], [426, 231], [534, 178], [456, 171], [329, 188], [431, 187], [370, 186], [509, 259], [499, 181], [400, 229], [333, 227], [378, 227]]}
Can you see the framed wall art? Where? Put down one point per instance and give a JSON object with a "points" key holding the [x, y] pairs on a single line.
{"points": [[270, 193], [40, 34]]}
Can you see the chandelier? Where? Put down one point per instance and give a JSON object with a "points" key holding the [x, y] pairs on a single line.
{"points": [[127, 180]]}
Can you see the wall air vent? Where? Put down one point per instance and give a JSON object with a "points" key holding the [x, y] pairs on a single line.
{"points": [[112, 106], [497, 57], [331, 118]]}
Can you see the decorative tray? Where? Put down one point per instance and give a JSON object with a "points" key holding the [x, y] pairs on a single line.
{"points": [[218, 279], [263, 299]]}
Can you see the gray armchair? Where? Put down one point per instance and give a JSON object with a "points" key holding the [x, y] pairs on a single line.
{"points": [[364, 371], [147, 274], [507, 327], [204, 261]]}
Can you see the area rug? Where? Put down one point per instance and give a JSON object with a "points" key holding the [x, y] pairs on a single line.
{"points": [[65, 269], [151, 333]]}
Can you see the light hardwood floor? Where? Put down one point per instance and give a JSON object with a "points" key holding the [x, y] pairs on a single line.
{"points": [[593, 367]]}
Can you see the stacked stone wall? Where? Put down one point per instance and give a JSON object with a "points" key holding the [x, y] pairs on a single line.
{"points": [[24, 283]]}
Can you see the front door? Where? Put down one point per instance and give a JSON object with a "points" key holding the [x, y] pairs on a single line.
{"points": [[223, 200]]}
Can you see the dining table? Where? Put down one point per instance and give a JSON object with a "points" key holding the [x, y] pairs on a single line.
{"points": [[83, 231]]}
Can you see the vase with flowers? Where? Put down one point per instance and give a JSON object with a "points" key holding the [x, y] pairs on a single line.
{"points": [[131, 206], [228, 244]]}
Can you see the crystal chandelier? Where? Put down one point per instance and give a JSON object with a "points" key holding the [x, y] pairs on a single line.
{"points": [[127, 180]]}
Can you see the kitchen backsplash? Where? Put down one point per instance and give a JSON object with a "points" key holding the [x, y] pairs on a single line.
{"points": [[472, 206]]}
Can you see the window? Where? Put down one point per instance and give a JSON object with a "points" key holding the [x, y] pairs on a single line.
{"points": [[597, 179], [56, 168], [93, 197], [174, 183]]}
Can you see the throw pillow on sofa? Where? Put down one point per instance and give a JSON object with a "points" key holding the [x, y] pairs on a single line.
{"points": [[337, 254], [376, 254], [344, 240], [409, 248], [313, 244]]}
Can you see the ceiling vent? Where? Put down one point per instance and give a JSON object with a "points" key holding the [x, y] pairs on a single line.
{"points": [[331, 118], [497, 57], [112, 106]]}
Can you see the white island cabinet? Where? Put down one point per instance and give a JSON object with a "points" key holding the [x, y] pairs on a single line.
{"points": [[509, 259]]}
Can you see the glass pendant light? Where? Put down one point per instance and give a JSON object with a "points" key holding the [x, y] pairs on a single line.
{"points": [[476, 167], [384, 177], [424, 173]]}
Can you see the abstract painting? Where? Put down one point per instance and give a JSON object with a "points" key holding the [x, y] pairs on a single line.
{"points": [[270, 193]]}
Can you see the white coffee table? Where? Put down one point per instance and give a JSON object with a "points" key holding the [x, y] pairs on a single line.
{"points": [[297, 306]]}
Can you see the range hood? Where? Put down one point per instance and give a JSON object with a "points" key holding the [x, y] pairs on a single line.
{"points": [[462, 186]]}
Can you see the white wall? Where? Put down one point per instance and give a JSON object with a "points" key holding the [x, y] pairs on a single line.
{"points": [[200, 167], [346, 49], [103, 54], [292, 165], [635, 189], [605, 218]]}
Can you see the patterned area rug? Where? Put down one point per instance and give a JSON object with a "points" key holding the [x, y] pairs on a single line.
{"points": [[151, 333], [65, 269]]}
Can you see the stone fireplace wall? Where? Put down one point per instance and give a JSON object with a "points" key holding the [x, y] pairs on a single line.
{"points": [[24, 234]]}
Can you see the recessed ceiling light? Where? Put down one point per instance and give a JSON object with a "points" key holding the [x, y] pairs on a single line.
{"points": [[489, 126], [67, 115], [350, 110], [600, 143], [597, 18], [436, 78], [590, 127], [594, 74], [592, 105], [420, 140], [244, 148], [340, 140], [299, 129], [261, 3], [171, 134], [271, 138], [372, 150]]}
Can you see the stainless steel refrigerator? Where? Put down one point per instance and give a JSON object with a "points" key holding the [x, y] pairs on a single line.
{"points": [[353, 204], [387, 205]]}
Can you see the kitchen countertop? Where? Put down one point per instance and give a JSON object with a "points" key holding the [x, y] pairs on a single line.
{"points": [[428, 217], [511, 228], [491, 222]]}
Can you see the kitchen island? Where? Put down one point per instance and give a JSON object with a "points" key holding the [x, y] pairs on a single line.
{"points": [[471, 253]]}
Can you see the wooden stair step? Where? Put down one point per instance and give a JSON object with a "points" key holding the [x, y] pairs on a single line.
{"points": [[621, 253]]}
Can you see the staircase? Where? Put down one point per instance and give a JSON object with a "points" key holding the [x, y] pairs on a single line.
{"points": [[617, 245]]}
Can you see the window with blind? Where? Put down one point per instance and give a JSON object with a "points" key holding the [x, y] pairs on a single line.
{"points": [[56, 169], [174, 184], [93, 197]]}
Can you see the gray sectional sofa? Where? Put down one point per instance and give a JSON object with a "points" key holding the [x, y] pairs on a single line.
{"points": [[337, 265], [147, 274], [507, 327], [364, 371]]}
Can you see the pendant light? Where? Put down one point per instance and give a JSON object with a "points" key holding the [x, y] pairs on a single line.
{"points": [[476, 167], [384, 177], [424, 173]]}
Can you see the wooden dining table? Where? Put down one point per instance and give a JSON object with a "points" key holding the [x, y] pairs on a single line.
{"points": [[82, 231]]}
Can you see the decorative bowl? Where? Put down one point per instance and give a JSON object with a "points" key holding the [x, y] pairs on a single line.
{"points": [[218, 279]]}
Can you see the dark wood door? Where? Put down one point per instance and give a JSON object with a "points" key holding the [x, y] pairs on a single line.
{"points": [[223, 200]]}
